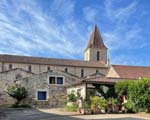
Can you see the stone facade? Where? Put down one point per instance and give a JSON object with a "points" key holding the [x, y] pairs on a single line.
{"points": [[91, 55], [40, 82], [8, 78], [37, 68], [11, 75]]}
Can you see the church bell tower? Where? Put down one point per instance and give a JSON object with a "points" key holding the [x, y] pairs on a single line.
{"points": [[96, 50]]}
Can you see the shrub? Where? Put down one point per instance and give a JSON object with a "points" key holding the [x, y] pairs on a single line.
{"points": [[98, 102], [72, 97], [18, 92], [113, 101], [138, 93], [121, 87], [129, 106]]}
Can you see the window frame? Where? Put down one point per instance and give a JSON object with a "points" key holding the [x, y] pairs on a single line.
{"points": [[56, 76], [57, 81], [42, 90], [49, 80]]}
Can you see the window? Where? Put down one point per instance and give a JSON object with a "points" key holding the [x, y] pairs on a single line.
{"points": [[82, 73], [59, 80], [51, 80], [66, 70], [18, 76], [48, 68], [10, 66], [97, 55], [42, 95], [97, 71], [29, 68]]}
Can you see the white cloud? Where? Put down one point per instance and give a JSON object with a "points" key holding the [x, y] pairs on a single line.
{"points": [[90, 14], [121, 14], [64, 8], [123, 35], [36, 32]]}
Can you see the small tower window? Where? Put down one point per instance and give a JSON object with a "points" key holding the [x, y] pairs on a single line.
{"points": [[66, 69], [48, 68], [29, 68], [97, 71], [97, 55], [10, 66], [82, 73]]}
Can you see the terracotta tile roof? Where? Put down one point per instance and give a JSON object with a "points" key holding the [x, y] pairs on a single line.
{"points": [[132, 72], [49, 61], [99, 80], [96, 40]]}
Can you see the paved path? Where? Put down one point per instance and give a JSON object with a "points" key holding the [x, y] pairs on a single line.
{"points": [[33, 114]]}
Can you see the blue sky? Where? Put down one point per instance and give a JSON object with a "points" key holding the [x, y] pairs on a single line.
{"points": [[61, 28]]}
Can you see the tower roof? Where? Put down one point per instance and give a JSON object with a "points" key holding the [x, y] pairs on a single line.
{"points": [[96, 40]]}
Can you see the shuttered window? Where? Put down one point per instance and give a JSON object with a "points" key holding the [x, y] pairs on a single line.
{"points": [[41, 95]]}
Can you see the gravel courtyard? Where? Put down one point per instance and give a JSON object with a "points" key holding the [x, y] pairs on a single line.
{"points": [[53, 114]]}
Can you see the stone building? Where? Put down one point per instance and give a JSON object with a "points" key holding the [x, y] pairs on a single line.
{"points": [[46, 78]]}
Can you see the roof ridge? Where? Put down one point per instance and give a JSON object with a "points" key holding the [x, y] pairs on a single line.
{"points": [[129, 65], [49, 61]]}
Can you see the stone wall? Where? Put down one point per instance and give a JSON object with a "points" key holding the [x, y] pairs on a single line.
{"points": [[54, 92], [36, 68], [91, 55], [11, 75]]}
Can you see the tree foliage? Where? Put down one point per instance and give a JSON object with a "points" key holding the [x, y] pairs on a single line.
{"points": [[17, 91], [137, 92], [121, 87]]}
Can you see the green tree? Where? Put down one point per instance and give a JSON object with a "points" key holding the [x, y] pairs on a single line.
{"points": [[18, 92], [139, 94], [121, 87]]}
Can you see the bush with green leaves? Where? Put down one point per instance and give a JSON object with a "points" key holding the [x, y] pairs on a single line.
{"points": [[121, 87], [18, 92], [72, 97], [97, 101], [113, 101], [129, 106], [137, 92]]}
